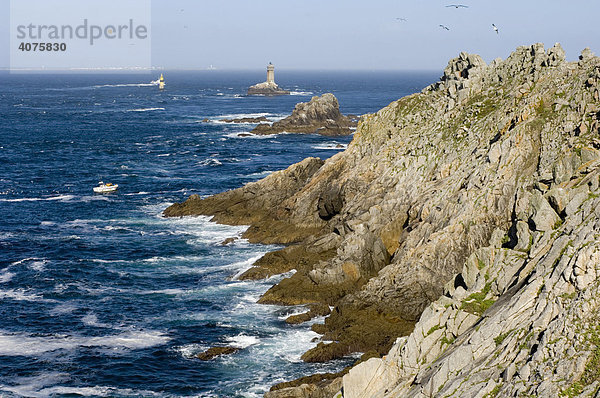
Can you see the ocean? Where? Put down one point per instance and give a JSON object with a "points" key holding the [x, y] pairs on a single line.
{"points": [[102, 296]]}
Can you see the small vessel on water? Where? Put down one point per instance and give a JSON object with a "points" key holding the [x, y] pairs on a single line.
{"points": [[105, 188], [161, 82]]}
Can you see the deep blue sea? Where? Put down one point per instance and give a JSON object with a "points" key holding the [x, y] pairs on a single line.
{"points": [[99, 294]]}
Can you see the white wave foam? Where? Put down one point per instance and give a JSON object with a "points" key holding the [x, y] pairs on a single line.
{"points": [[118, 228], [95, 391], [6, 236], [291, 346], [242, 115], [243, 341], [169, 292], [65, 308], [91, 319], [26, 345], [137, 193], [153, 83], [244, 134], [333, 146], [26, 260], [45, 385], [60, 197], [294, 312], [38, 265], [210, 162], [189, 351], [245, 265], [301, 93], [19, 295], [261, 174], [271, 117], [6, 276], [145, 109], [47, 223]]}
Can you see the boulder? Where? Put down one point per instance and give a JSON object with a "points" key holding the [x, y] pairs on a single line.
{"points": [[214, 352], [319, 116]]}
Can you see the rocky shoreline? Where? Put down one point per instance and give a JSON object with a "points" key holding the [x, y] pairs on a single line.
{"points": [[456, 237]]}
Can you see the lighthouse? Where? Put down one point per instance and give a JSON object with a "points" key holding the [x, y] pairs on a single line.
{"points": [[269, 87], [270, 74]]}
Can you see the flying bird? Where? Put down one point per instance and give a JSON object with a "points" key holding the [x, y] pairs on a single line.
{"points": [[495, 29], [444, 27], [457, 6], [401, 19]]}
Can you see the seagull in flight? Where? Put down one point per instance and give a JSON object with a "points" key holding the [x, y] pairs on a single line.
{"points": [[444, 27], [457, 6], [495, 29], [401, 19]]}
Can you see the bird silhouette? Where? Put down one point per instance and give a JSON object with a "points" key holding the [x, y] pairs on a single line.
{"points": [[444, 27], [495, 29], [401, 19], [457, 6]]}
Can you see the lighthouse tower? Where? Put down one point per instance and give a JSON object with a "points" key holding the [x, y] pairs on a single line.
{"points": [[269, 87], [270, 74]]}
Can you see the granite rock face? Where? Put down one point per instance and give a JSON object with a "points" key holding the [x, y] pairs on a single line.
{"points": [[457, 235], [319, 116]]}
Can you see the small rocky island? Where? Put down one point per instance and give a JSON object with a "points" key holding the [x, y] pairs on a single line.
{"points": [[319, 116], [269, 87]]}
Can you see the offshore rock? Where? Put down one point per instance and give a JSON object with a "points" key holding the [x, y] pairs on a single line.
{"points": [[245, 120], [267, 88], [319, 116], [457, 234], [214, 352]]}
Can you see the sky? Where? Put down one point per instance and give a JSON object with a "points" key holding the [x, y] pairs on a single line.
{"points": [[352, 35]]}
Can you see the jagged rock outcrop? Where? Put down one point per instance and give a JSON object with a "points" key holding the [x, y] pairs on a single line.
{"points": [[468, 210], [319, 116]]}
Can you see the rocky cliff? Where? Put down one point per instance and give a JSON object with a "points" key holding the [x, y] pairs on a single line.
{"points": [[321, 115], [464, 218]]}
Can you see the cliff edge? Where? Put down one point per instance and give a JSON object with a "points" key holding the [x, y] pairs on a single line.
{"points": [[463, 218]]}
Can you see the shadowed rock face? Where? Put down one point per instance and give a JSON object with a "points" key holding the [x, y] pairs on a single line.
{"points": [[319, 116], [491, 173]]}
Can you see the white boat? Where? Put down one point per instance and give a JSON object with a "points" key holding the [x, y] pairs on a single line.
{"points": [[105, 188]]}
